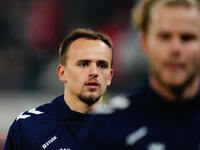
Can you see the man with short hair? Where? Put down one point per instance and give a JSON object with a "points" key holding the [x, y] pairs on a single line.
{"points": [[165, 113], [86, 70]]}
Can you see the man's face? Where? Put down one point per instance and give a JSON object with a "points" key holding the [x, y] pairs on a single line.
{"points": [[88, 69], [172, 45]]}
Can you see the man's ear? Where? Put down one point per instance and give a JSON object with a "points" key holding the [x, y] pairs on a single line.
{"points": [[110, 77], [61, 73], [144, 42]]}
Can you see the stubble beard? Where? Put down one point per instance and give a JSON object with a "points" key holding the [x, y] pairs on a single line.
{"points": [[173, 88], [90, 100]]}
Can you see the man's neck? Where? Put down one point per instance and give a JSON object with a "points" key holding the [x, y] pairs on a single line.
{"points": [[75, 104], [187, 92]]}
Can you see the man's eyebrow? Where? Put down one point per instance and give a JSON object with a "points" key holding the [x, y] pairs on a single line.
{"points": [[103, 61], [83, 60]]}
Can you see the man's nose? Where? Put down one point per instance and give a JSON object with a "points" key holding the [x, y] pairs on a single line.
{"points": [[93, 70], [176, 46]]}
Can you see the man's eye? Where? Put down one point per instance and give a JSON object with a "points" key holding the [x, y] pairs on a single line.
{"points": [[84, 64], [103, 66], [188, 37], [164, 36]]}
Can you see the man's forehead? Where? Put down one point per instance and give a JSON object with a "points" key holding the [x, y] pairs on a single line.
{"points": [[83, 41], [175, 4], [190, 14], [92, 54]]}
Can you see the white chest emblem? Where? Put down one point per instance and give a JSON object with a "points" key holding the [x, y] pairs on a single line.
{"points": [[136, 135], [156, 146], [45, 145]]}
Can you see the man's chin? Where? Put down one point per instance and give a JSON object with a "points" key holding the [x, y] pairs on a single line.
{"points": [[173, 82], [90, 100], [176, 85]]}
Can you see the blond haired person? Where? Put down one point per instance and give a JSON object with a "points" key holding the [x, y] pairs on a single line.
{"points": [[165, 113]]}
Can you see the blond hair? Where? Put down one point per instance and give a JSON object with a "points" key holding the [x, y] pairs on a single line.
{"points": [[141, 14]]}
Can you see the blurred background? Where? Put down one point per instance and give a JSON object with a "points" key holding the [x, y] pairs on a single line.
{"points": [[30, 34]]}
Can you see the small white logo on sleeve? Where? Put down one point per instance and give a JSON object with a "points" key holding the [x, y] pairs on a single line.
{"points": [[21, 116], [156, 146], [32, 111], [136, 136]]}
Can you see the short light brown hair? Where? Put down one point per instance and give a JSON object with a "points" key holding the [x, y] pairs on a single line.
{"points": [[142, 12], [82, 33]]}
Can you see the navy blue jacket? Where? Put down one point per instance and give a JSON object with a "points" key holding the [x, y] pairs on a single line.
{"points": [[52, 126], [150, 123]]}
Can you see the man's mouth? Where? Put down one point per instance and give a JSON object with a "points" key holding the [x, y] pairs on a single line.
{"points": [[92, 84], [175, 66]]}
